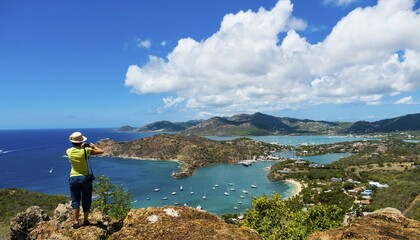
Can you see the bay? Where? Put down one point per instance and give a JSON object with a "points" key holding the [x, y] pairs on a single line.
{"points": [[35, 160]]}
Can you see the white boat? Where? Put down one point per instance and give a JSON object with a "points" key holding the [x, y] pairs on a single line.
{"points": [[147, 198], [239, 202], [157, 190], [230, 184], [165, 198], [176, 204], [181, 188], [213, 188], [254, 186], [51, 170], [242, 196], [199, 207], [236, 208], [227, 193], [204, 196], [173, 193], [216, 185], [245, 191], [191, 192], [232, 189]]}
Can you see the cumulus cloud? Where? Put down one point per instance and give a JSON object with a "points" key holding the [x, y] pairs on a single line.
{"points": [[371, 53], [405, 100]]}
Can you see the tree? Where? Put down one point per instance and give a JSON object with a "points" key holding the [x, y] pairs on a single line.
{"points": [[112, 199]]}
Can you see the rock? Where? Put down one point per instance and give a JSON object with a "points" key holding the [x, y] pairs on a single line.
{"points": [[179, 223], [35, 224], [146, 223], [384, 224], [25, 222]]}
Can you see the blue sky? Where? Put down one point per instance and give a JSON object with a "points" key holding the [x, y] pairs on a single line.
{"points": [[74, 64]]}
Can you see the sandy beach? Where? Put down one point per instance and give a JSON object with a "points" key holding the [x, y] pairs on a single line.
{"points": [[297, 186]]}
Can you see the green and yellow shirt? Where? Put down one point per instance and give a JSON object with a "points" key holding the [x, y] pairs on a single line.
{"points": [[77, 160]]}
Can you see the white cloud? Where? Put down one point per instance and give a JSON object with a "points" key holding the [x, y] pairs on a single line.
{"points": [[144, 43], [171, 101], [245, 67], [405, 100], [339, 2]]}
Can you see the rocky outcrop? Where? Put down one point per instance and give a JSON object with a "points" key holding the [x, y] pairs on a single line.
{"points": [[35, 224], [179, 223], [387, 223], [25, 222], [146, 223]]}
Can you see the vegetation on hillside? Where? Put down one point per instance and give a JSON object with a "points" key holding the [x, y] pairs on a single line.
{"points": [[14, 201], [378, 174]]}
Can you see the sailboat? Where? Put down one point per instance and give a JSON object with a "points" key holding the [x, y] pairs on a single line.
{"points": [[204, 196], [51, 170], [254, 186], [191, 191], [227, 193], [157, 190], [181, 188]]}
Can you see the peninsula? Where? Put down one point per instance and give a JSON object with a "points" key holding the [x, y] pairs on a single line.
{"points": [[190, 150]]}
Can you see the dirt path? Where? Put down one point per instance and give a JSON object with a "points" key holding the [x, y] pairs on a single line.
{"points": [[412, 205]]}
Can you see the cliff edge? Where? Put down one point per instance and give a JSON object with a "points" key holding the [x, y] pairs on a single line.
{"points": [[146, 223]]}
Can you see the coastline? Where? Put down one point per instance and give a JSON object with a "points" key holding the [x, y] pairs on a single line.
{"points": [[296, 187]]}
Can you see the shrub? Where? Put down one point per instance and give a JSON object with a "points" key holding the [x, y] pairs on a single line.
{"points": [[275, 218], [112, 199]]}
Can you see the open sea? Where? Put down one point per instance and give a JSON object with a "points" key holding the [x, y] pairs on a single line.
{"points": [[35, 160]]}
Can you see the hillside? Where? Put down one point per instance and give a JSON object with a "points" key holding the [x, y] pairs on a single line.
{"points": [[409, 122], [193, 151], [258, 124]]}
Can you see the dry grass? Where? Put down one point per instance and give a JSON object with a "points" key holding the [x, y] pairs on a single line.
{"points": [[390, 166], [4, 231]]}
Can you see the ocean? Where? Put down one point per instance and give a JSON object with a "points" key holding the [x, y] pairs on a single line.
{"points": [[35, 160]]}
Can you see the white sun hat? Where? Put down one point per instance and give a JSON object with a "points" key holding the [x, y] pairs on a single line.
{"points": [[77, 137]]}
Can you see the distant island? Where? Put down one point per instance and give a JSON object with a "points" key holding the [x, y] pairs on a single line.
{"points": [[190, 150], [259, 124]]}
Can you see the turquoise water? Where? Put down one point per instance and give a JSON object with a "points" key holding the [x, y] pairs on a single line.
{"points": [[28, 163], [297, 140], [145, 176], [323, 159]]}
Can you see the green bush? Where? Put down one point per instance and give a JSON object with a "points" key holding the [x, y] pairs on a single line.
{"points": [[275, 218], [112, 200]]}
